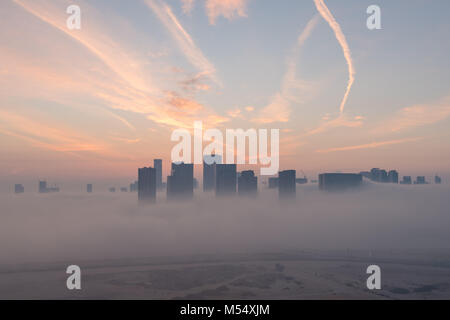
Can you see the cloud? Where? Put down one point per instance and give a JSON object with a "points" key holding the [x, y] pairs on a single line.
{"points": [[44, 136], [184, 41], [415, 116], [230, 9], [118, 78], [369, 145], [328, 17], [341, 121], [188, 5], [293, 90], [235, 113]]}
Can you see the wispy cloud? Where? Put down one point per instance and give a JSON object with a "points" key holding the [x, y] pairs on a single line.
{"points": [[124, 84], [44, 136], [369, 145], [184, 41], [326, 14], [229, 9], [415, 116], [293, 89], [341, 121]]}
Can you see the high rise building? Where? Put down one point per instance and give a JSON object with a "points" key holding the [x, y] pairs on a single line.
{"points": [[393, 176], [273, 182], [375, 174], [18, 188], [147, 185], [209, 171], [247, 183], [225, 179], [89, 188], [437, 179], [180, 184], [420, 180], [134, 186], [157, 164], [286, 184], [406, 180], [339, 181], [43, 187]]}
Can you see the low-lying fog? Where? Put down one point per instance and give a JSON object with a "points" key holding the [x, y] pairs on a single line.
{"points": [[36, 228]]}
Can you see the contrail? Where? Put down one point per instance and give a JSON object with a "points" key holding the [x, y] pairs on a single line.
{"points": [[326, 14]]}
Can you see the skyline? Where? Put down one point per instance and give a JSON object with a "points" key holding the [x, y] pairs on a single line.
{"points": [[105, 99]]}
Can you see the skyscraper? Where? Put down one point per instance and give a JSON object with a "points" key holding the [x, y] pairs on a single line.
{"points": [[43, 187], [225, 179], [437, 179], [157, 164], [180, 184], [209, 171], [89, 188], [339, 181], [18, 188], [146, 185], [286, 184], [393, 176], [406, 180], [273, 182], [247, 183], [134, 186], [420, 180]]}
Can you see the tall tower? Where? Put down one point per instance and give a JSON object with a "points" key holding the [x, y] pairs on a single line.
{"points": [[286, 184], [180, 184], [209, 171], [157, 164], [146, 185], [225, 179]]}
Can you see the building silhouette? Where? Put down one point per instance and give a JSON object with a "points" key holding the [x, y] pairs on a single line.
{"points": [[18, 188], [89, 188], [123, 189], [339, 181], [286, 184], [406, 180], [393, 176], [225, 176], [180, 184], [381, 175], [146, 185], [247, 183], [420, 180], [157, 164], [43, 188], [134, 186], [273, 182], [437, 179], [112, 189], [209, 171]]}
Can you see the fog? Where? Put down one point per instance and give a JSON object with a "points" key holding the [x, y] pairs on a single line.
{"points": [[41, 228]]}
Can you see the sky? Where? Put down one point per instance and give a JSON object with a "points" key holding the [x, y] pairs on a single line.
{"points": [[103, 100]]}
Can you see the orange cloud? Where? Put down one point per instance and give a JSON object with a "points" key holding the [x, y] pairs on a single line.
{"points": [[227, 8], [415, 116], [368, 145]]}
